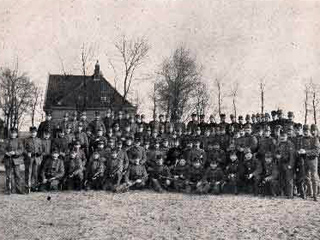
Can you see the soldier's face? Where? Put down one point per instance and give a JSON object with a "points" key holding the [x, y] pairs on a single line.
{"points": [[233, 157], [55, 156], [68, 130], [182, 162], [137, 161], [216, 147], [96, 156], [176, 143], [241, 121], [129, 142], [197, 165], [160, 162], [14, 135], [211, 119], [207, 133], [83, 117], [248, 131], [161, 119], [101, 146], [197, 145], [268, 159], [222, 132], [165, 144], [48, 118], [127, 129], [33, 134], [248, 156], [306, 133], [61, 134], [213, 165], [314, 132], [79, 129], [198, 132], [114, 155], [156, 145], [65, 119], [73, 155], [267, 133], [46, 136], [146, 146], [108, 114], [99, 133], [283, 138]]}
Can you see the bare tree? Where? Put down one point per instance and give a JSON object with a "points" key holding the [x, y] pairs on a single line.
{"points": [[178, 81], [306, 104], [314, 91], [234, 96], [218, 84], [154, 98], [15, 96], [262, 88], [201, 98], [133, 52], [35, 102]]}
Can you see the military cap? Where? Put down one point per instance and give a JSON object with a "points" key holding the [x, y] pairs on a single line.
{"points": [[202, 116], [279, 111], [83, 114], [273, 113], [97, 113], [66, 114], [277, 127], [137, 116], [211, 116], [258, 115], [55, 151], [305, 127], [143, 116], [266, 115], [49, 113], [240, 117], [314, 127], [247, 126], [267, 128], [13, 129], [116, 125], [231, 116], [283, 132], [129, 138], [231, 148], [33, 129], [247, 150], [247, 117], [193, 114], [101, 142], [253, 115], [100, 128], [161, 115], [222, 115], [137, 139], [290, 114], [298, 125]]}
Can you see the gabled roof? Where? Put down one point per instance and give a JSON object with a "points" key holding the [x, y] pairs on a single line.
{"points": [[70, 91]]}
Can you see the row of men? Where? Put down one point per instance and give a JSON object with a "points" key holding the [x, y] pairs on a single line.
{"points": [[242, 160], [161, 123]]}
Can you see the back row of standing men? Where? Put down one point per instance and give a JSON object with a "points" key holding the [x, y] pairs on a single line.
{"points": [[257, 150]]}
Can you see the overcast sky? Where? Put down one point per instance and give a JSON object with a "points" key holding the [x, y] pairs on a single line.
{"points": [[241, 41]]}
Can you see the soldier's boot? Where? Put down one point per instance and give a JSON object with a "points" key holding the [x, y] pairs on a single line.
{"points": [[156, 185]]}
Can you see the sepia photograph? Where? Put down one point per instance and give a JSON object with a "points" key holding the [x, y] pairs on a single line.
{"points": [[159, 119]]}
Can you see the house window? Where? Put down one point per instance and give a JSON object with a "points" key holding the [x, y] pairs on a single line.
{"points": [[103, 99]]}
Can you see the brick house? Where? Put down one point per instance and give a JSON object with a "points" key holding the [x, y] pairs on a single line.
{"points": [[69, 93]]}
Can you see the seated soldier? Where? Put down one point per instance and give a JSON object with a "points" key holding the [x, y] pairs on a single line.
{"points": [[270, 179], [52, 172], [180, 172], [194, 176], [113, 171], [80, 152], [159, 175], [94, 172], [251, 175], [73, 179], [136, 176], [213, 179], [215, 154], [232, 171]]}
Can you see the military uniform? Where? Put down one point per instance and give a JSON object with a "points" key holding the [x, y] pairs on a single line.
{"points": [[12, 163], [113, 171], [52, 173], [159, 176], [94, 173], [180, 173], [33, 160], [213, 180], [74, 170], [134, 173], [46, 125]]}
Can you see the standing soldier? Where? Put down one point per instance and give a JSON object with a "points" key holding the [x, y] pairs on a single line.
{"points": [[223, 123], [212, 123], [247, 120], [33, 159], [285, 154], [46, 146], [60, 143], [202, 124], [46, 125], [52, 172], [311, 147], [83, 121], [74, 121], [193, 124], [96, 124], [69, 134], [65, 121], [108, 120], [74, 169], [13, 159], [177, 125], [233, 124], [154, 124], [82, 137]]}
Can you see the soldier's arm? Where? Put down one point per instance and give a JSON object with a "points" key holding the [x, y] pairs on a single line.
{"points": [[291, 155], [315, 149], [61, 170]]}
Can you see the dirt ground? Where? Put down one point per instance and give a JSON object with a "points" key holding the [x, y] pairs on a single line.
{"points": [[148, 215]]}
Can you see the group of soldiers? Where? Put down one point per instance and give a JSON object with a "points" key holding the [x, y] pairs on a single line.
{"points": [[258, 154]]}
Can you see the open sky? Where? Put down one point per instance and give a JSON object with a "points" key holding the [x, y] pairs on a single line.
{"points": [[240, 41]]}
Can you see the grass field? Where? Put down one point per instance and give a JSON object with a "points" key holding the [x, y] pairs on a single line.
{"points": [[148, 215]]}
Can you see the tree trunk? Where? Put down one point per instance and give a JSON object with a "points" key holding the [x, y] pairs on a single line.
{"points": [[306, 107], [314, 108]]}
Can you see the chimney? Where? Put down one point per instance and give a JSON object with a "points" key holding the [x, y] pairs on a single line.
{"points": [[96, 76]]}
